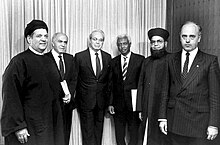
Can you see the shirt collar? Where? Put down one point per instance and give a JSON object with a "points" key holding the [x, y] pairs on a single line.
{"points": [[55, 54], [192, 53], [34, 51], [127, 56]]}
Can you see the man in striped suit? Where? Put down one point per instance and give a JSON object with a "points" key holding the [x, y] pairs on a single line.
{"points": [[190, 109]]}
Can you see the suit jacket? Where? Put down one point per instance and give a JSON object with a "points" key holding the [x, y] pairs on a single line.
{"points": [[121, 90], [69, 76], [194, 104], [91, 90]]}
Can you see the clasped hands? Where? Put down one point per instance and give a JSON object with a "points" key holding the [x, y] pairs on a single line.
{"points": [[212, 131]]}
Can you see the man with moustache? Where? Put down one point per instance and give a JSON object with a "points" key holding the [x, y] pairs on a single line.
{"points": [[124, 75], [150, 86], [92, 66], [190, 107], [61, 68], [31, 113]]}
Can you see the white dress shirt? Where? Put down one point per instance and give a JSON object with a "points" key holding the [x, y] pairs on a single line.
{"points": [[192, 55], [127, 59], [93, 59]]}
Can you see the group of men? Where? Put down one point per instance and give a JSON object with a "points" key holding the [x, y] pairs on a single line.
{"points": [[175, 98]]}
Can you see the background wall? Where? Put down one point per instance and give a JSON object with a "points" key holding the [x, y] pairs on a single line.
{"points": [[204, 12]]}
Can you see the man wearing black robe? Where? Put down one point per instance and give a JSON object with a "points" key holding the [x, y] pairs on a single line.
{"points": [[150, 86], [31, 113]]}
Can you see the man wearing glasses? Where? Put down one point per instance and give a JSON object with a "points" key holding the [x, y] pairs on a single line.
{"points": [[190, 108], [92, 66], [150, 86]]}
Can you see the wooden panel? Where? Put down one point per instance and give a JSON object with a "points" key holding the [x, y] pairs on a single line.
{"points": [[204, 12]]}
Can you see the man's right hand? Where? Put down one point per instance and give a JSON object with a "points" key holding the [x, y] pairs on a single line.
{"points": [[22, 135], [111, 109], [163, 127]]}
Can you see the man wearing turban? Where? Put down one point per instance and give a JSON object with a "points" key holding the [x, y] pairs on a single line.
{"points": [[31, 112], [150, 87]]}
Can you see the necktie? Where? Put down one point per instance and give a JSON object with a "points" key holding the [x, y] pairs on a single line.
{"points": [[98, 65], [61, 67], [124, 69], [185, 67]]}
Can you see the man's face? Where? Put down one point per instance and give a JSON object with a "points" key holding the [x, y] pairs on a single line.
{"points": [[189, 37], [39, 40], [123, 46], [157, 43], [96, 41], [60, 43]]}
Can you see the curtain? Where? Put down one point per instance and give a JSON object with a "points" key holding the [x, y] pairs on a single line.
{"points": [[77, 18]]}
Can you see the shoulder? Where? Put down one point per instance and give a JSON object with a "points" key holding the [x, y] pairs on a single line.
{"points": [[138, 56], [105, 54]]}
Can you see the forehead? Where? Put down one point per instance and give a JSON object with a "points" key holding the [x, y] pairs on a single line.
{"points": [[61, 37], [189, 29], [97, 35], [40, 31], [123, 39], [157, 38]]}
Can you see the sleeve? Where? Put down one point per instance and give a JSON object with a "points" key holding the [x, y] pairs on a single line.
{"points": [[214, 93], [140, 88], [12, 91], [165, 92]]}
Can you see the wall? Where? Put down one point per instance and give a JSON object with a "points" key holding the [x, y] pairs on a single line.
{"points": [[204, 12]]}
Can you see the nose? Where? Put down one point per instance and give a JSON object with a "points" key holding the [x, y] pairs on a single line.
{"points": [[187, 39]]}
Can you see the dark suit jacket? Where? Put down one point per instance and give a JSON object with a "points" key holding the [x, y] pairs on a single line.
{"points": [[91, 90], [194, 104], [121, 90], [70, 76]]}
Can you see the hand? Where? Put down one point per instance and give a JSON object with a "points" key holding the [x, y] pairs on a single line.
{"points": [[163, 127], [111, 109], [67, 98], [22, 135], [140, 116], [212, 132]]}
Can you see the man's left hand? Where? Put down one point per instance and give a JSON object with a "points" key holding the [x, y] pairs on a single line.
{"points": [[212, 132]]}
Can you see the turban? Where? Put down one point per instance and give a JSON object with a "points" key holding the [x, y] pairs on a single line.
{"points": [[158, 32], [33, 25]]}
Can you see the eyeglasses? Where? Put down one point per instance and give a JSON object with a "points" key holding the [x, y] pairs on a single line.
{"points": [[96, 39], [153, 42]]}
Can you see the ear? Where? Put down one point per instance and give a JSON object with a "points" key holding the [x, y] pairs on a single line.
{"points": [[29, 39], [165, 43]]}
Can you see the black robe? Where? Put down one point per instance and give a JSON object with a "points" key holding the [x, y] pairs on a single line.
{"points": [[29, 102], [150, 86]]}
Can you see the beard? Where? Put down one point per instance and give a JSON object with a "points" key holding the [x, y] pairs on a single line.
{"points": [[156, 54]]}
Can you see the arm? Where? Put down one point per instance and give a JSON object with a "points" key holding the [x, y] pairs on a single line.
{"points": [[12, 118], [214, 99]]}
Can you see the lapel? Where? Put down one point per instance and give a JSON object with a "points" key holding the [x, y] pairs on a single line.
{"points": [[54, 65], [88, 61], [67, 66], [117, 66], [131, 63], [194, 69], [176, 64]]}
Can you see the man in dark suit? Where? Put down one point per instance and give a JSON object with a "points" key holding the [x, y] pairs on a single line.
{"points": [[63, 79], [92, 67], [124, 74], [150, 86], [190, 109]]}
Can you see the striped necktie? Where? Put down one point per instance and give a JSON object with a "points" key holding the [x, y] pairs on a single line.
{"points": [[125, 68]]}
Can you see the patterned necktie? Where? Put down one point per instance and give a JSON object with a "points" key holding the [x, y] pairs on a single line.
{"points": [[98, 65], [61, 67], [124, 69], [185, 67]]}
